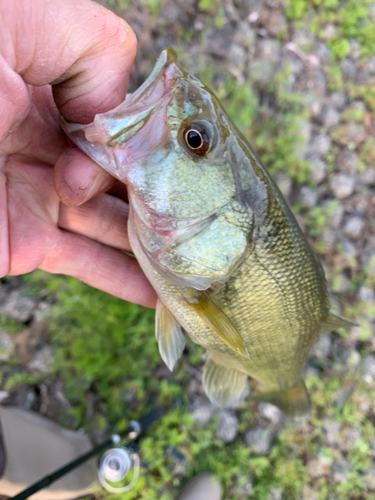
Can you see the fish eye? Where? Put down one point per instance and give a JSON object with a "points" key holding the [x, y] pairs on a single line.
{"points": [[197, 139]]}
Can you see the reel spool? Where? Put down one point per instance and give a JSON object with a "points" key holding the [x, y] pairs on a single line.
{"points": [[115, 465]]}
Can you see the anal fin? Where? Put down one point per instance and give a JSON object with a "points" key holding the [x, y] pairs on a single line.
{"points": [[333, 322], [294, 402], [224, 386], [169, 335], [219, 322]]}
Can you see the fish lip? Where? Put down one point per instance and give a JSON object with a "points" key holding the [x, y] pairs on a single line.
{"points": [[167, 59], [107, 128]]}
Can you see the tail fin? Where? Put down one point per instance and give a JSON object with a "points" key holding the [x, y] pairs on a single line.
{"points": [[294, 402]]}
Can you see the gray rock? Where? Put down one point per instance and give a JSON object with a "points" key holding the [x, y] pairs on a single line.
{"points": [[366, 294], [349, 250], [321, 144], [318, 168], [371, 65], [347, 161], [337, 100], [17, 306], [243, 488], [368, 369], [6, 346], [237, 55], [269, 49], [244, 35], [260, 439], [307, 197], [348, 70], [261, 71], [228, 426], [284, 183], [43, 360], [354, 227], [275, 494], [323, 347], [318, 467], [331, 430], [334, 220], [355, 49], [202, 411], [323, 52], [342, 185], [319, 83], [367, 176], [270, 412], [330, 117], [370, 478]]}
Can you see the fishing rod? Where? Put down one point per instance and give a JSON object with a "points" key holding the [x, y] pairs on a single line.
{"points": [[114, 465]]}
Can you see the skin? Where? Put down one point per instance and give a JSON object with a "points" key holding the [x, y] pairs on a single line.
{"points": [[68, 57]]}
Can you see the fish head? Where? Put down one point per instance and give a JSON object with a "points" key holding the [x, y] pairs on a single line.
{"points": [[174, 147]]}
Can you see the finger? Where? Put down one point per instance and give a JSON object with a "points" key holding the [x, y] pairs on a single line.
{"points": [[14, 99], [85, 50], [4, 233], [102, 267], [77, 178], [103, 219]]}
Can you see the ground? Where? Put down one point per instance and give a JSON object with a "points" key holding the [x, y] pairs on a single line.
{"points": [[298, 78]]}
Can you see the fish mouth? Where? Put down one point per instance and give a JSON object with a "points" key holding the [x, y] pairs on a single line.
{"points": [[115, 127]]}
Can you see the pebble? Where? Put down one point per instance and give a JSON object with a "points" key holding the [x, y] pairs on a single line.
{"points": [[334, 220], [202, 411], [354, 50], [237, 55], [6, 346], [261, 71], [275, 494], [331, 430], [318, 168], [43, 360], [269, 49], [270, 412], [330, 117], [347, 161], [307, 197], [338, 100], [17, 306], [228, 426], [348, 70], [342, 185], [260, 439], [284, 183], [366, 294], [354, 227], [368, 369], [321, 144], [323, 347], [371, 65]]}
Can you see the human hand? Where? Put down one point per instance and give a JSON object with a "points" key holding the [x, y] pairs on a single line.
{"points": [[71, 57]]}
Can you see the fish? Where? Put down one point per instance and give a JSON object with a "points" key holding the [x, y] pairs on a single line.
{"points": [[216, 239]]}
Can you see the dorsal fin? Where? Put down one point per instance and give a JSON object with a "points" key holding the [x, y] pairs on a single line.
{"points": [[169, 335], [219, 322], [223, 386]]}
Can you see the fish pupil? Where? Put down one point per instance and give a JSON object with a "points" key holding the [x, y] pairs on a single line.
{"points": [[194, 139]]}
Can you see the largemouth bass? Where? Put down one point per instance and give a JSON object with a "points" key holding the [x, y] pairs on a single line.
{"points": [[215, 237]]}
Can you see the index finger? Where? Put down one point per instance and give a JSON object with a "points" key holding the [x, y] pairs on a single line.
{"points": [[82, 49]]}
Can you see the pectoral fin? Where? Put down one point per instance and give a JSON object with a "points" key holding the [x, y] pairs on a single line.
{"points": [[169, 335], [219, 322], [295, 402], [333, 322], [223, 386]]}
